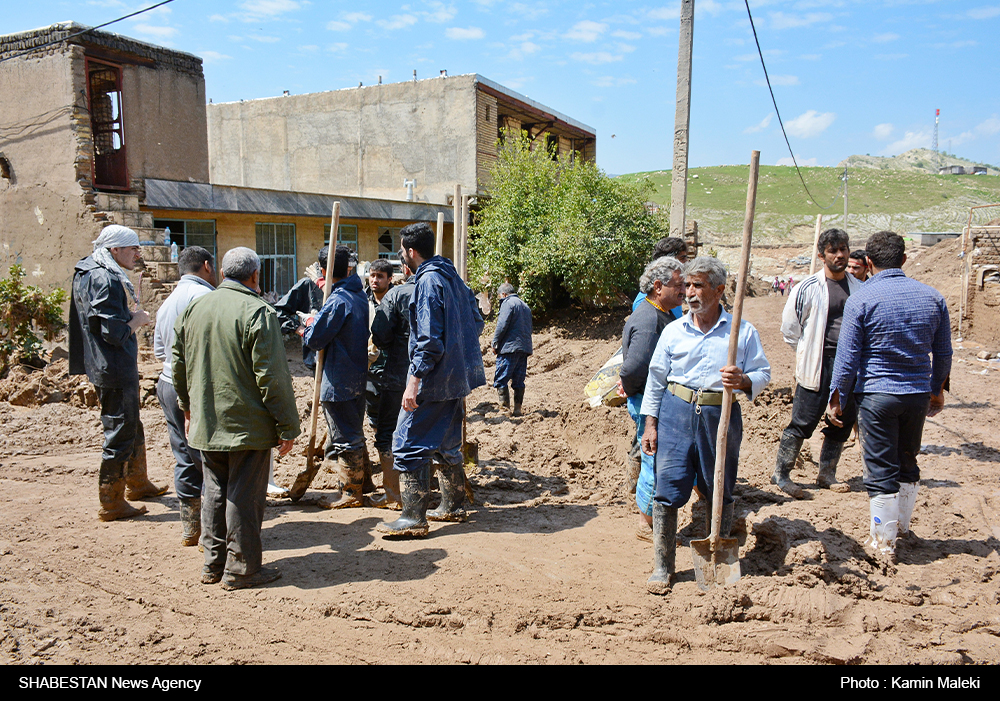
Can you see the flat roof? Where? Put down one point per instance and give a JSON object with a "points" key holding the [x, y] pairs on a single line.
{"points": [[206, 197]]}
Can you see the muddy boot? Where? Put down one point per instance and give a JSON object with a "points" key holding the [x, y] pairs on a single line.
{"points": [[788, 450], [369, 484], [664, 549], [415, 494], [352, 471], [726, 522], [907, 500], [503, 393], [829, 456], [451, 479], [883, 527], [390, 483], [137, 484], [518, 400], [633, 466], [190, 521], [111, 492]]}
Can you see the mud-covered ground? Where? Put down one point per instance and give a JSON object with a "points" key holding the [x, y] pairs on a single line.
{"points": [[547, 569]]}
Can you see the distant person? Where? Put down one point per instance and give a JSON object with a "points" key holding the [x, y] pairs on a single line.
{"points": [[775, 285], [102, 344], [781, 287], [231, 376], [306, 296], [811, 325], [894, 355], [197, 269], [858, 265], [512, 346]]}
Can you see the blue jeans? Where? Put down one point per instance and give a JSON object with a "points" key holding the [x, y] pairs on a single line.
{"points": [[645, 486], [346, 423], [511, 367], [432, 430], [187, 467], [891, 427], [685, 448]]}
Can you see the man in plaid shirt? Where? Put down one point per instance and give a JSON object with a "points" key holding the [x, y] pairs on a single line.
{"points": [[889, 330]]}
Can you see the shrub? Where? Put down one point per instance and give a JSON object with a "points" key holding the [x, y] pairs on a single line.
{"points": [[26, 311]]}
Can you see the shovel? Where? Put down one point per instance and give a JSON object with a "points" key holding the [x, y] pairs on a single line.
{"points": [[717, 560]]}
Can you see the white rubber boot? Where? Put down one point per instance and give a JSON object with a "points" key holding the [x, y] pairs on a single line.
{"points": [[883, 527], [273, 490], [907, 500]]}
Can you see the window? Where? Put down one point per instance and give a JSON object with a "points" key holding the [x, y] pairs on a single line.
{"points": [[388, 242], [190, 232], [104, 89], [347, 235], [276, 248]]}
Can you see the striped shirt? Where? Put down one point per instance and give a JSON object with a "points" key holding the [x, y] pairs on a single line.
{"points": [[890, 328]]}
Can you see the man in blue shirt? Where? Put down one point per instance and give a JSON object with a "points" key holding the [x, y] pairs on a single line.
{"points": [[682, 404], [446, 364], [891, 327]]}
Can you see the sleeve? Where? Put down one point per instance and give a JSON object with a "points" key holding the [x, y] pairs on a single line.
{"points": [[503, 323], [429, 342], [270, 367], [794, 316], [105, 317], [755, 363], [477, 316], [327, 325], [635, 368], [297, 299], [941, 350], [656, 381], [178, 365], [384, 322], [159, 351], [849, 345]]}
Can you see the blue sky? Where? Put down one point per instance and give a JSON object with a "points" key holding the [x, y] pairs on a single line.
{"points": [[850, 76]]}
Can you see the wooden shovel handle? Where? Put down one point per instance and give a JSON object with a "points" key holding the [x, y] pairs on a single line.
{"points": [[321, 354]]}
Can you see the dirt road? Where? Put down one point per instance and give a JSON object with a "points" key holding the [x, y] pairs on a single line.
{"points": [[547, 569]]}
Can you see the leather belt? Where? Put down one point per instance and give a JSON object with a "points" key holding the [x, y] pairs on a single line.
{"points": [[695, 396]]}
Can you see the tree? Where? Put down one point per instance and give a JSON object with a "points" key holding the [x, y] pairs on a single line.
{"points": [[551, 222], [23, 310]]}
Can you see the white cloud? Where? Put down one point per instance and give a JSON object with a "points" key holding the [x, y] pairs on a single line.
{"points": [[665, 12], [885, 38], [883, 131], [984, 12], [464, 34], [787, 161], [764, 124], [354, 17], [211, 56], [779, 20], [990, 126], [526, 48], [911, 139], [264, 39], [780, 80], [337, 47], [440, 12], [608, 81], [397, 22], [586, 31], [810, 124], [623, 34], [269, 8], [811, 57], [658, 31], [596, 58], [155, 31], [337, 26]]}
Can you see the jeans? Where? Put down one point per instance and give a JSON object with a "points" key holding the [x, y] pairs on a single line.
{"points": [[345, 421], [891, 427], [645, 486], [187, 467], [511, 367]]}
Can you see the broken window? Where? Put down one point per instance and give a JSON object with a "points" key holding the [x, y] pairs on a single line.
{"points": [[388, 242], [104, 86], [276, 248]]}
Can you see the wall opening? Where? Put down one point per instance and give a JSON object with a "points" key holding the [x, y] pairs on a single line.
{"points": [[104, 89]]}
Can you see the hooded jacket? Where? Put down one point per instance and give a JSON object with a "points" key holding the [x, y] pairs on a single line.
{"points": [[391, 333], [445, 324], [513, 332], [342, 328], [101, 344]]}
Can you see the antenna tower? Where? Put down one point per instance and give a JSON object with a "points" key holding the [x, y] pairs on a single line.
{"points": [[937, 154]]}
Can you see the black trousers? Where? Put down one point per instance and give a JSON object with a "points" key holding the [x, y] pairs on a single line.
{"points": [[232, 509], [809, 407], [123, 431], [891, 428]]}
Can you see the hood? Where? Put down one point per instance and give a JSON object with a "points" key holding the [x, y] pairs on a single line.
{"points": [[351, 283], [86, 264], [438, 264]]}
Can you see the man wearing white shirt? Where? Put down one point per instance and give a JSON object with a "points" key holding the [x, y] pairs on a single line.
{"points": [[682, 405], [197, 268]]}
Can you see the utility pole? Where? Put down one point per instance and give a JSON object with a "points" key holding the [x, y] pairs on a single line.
{"points": [[682, 122], [844, 178]]}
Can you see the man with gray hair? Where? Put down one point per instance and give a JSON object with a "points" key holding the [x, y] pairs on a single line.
{"points": [[682, 405], [103, 318], [512, 346], [231, 378]]}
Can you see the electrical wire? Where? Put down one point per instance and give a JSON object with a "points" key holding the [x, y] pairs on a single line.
{"points": [[782, 124], [88, 29]]}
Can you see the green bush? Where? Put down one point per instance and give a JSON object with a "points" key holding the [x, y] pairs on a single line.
{"points": [[561, 222], [26, 311]]}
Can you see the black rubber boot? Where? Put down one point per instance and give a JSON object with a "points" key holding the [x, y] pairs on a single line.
{"points": [[414, 488], [451, 478], [190, 521], [664, 549], [503, 393], [111, 492], [788, 451], [726, 523], [518, 400], [829, 456]]}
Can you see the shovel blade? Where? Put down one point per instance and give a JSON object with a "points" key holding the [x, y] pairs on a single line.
{"points": [[470, 454], [305, 478], [719, 565]]}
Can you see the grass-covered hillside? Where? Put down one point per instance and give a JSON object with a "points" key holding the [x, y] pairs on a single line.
{"points": [[905, 201]]}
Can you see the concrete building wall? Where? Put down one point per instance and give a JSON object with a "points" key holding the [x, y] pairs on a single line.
{"points": [[360, 141]]}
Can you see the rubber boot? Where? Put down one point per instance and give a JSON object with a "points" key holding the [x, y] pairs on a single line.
{"points": [[907, 500], [190, 521], [369, 484], [351, 465], [415, 494], [788, 451], [451, 479], [390, 482], [504, 395], [633, 466], [664, 549], [883, 527], [829, 456], [111, 492], [518, 400], [137, 484], [725, 522]]}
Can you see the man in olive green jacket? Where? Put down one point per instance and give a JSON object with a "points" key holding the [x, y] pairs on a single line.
{"points": [[232, 381]]}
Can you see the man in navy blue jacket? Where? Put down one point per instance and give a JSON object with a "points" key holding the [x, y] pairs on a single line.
{"points": [[446, 364], [341, 327], [512, 345]]}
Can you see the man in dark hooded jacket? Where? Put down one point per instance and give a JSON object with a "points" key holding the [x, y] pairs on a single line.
{"points": [[512, 345], [446, 364]]}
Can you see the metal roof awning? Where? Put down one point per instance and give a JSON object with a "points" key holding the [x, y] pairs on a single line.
{"points": [[205, 197]]}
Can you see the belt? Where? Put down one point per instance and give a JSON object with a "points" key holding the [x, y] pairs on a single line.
{"points": [[695, 396]]}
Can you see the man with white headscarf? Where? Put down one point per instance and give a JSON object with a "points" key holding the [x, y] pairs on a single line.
{"points": [[103, 345]]}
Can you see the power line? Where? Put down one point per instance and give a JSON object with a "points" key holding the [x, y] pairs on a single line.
{"points": [[88, 29], [781, 123]]}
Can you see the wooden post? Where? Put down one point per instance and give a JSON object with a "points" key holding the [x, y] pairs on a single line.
{"points": [[456, 230], [439, 238], [819, 225], [464, 251], [682, 121]]}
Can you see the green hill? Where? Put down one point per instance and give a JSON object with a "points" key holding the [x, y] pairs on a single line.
{"points": [[904, 201]]}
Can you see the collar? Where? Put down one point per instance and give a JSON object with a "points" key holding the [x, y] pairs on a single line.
{"points": [[888, 272], [237, 286], [724, 318], [195, 278]]}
